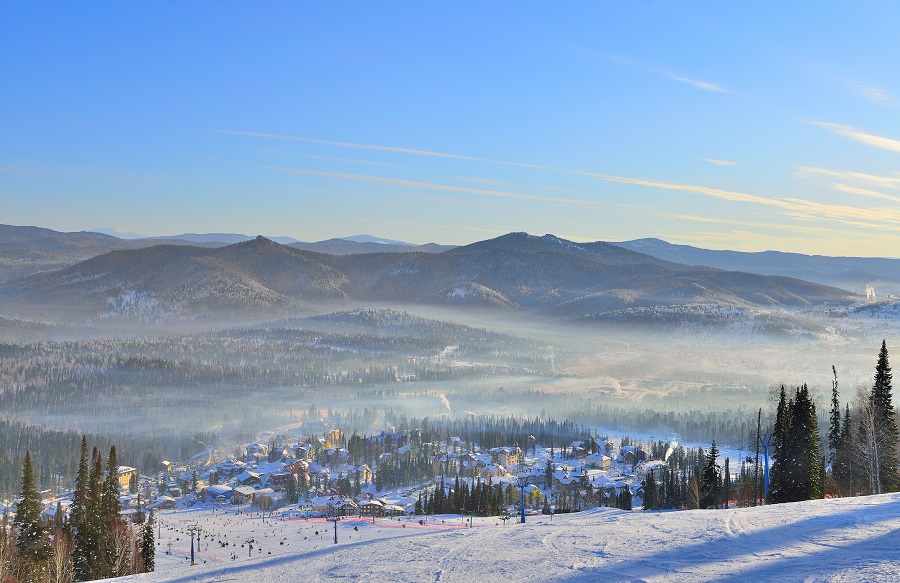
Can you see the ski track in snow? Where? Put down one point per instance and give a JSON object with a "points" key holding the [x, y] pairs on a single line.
{"points": [[844, 540]]}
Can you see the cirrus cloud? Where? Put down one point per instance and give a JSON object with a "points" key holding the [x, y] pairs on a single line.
{"points": [[860, 136]]}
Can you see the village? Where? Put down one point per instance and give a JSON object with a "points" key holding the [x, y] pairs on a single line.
{"points": [[389, 474]]}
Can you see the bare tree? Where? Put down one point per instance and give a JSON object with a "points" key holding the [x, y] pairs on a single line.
{"points": [[264, 503], [62, 568], [123, 542], [868, 440], [7, 552]]}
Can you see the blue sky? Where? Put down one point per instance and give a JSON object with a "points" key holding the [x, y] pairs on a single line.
{"points": [[726, 125]]}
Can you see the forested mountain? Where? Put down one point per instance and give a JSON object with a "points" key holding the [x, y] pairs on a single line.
{"points": [[546, 275]]}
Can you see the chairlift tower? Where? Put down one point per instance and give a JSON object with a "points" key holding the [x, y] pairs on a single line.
{"points": [[522, 482], [249, 542], [333, 514], [194, 530]]}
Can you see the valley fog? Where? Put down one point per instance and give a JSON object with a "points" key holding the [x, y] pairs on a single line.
{"points": [[368, 369]]}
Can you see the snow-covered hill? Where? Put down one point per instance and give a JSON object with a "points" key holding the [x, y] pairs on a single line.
{"points": [[852, 539]]}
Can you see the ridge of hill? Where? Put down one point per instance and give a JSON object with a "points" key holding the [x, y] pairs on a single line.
{"points": [[26, 250], [547, 275], [852, 273]]}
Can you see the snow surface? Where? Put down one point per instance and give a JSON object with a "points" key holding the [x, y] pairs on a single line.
{"points": [[850, 539]]}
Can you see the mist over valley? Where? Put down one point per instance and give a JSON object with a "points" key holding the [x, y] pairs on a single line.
{"points": [[229, 340]]}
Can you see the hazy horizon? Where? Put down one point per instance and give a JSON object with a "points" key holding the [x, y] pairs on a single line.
{"points": [[717, 127]]}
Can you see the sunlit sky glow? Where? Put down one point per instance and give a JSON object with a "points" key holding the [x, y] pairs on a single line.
{"points": [[725, 125]]}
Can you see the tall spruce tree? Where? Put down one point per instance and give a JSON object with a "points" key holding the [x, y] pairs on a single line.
{"points": [[95, 566], [797, 472], [806, 457], [147, 544], [650, 491], [32, 538], [779, 450], [80, 525], [624, 499], [885, 425], [112, 525], [834, 428], [726, 484], [710, 480]]}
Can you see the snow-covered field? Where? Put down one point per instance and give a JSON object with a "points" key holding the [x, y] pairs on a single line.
{"points": [[852, 539]]}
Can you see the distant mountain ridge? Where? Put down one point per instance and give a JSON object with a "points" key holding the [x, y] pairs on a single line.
{"points": [[219, 238], [852, 273], [518, 271], [26, 250]]}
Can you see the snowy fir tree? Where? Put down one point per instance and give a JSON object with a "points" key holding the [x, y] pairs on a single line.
{"points": [[797, 471], [81, 526], [885, 424], [710, 480], [32, 538], [650, 502], [147, 544], [834, 426]]}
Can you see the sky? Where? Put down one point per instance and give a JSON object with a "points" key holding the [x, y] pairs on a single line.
{"points": [[725, 125]]}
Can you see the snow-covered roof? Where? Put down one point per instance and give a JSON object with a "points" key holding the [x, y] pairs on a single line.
{"points": [[219, 490]]}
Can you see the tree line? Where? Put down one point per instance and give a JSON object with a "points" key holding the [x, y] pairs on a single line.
{"points": [[54, 453]]}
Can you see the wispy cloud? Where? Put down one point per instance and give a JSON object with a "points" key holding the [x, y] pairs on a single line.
{"points": [[795, 207], [718, 162], [704, 85], [849, 189], [849, 175], [347, 144], [485, 181], [844, 176], [860, 136], [427, 225], [435, 186], [697, 84], [873, 94], [842, 212], [756, 225], [327, 158]]}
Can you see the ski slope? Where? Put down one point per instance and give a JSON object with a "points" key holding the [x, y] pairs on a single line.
{"points": [[851, 539]]}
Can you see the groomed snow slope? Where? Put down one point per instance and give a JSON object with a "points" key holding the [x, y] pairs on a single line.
{"points": [[853, 539]]}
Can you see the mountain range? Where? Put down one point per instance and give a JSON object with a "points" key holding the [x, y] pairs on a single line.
{"points": [[546, 275], [26, 250]]}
